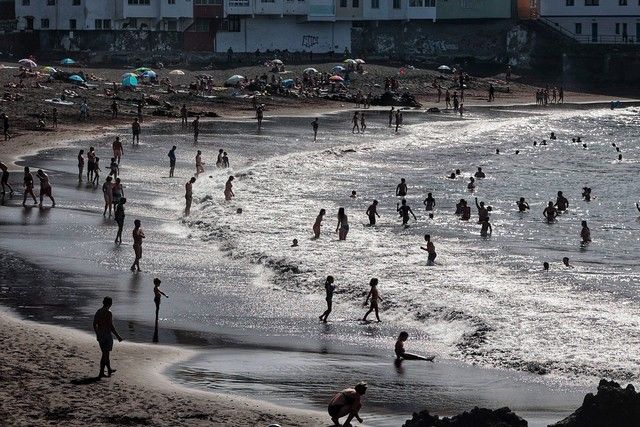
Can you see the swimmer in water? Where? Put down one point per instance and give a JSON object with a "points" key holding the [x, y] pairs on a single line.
{"points": [[561, 202], [458, 172], [523, 206], [565, 261], [404, 210], [535, 143], [429, 202], [585, 233], [318, 224], [294, 244], [452, 176], [460, 206], [401, 354], [586, 194], [401, 189], [545, 266], [552, 136], [343, 225], [479, 173], [431, 250], [372, 212], [354, 195], [486, 229], [483, 212], [472, 184], [550, 213]]}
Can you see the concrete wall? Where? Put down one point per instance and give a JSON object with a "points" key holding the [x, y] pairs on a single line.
{"points": [[550, 8], [288, 33], [606, 30], [110, 41], [474, 9]]}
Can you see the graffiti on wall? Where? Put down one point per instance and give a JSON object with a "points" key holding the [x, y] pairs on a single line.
{"points": [[309, 41]]}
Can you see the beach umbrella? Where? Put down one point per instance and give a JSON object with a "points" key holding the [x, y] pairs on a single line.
{"points": [[128, 74], [288, 83], [310, 71], [350, 61], [233, 80], [338, 68], [67, 61], [27, 63], [49, 70], [444, 68], [277, 61], [129, 81], [76, 78], [336, 79], [142, 70], [360, 61], [149, 74], [176, 73]]}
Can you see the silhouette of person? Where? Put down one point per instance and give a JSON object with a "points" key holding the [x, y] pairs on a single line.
{"points": [[104, 329]]}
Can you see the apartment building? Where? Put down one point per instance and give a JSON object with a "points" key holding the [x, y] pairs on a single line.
{"points": [[162, 15], [594, 21], [474, 9]]}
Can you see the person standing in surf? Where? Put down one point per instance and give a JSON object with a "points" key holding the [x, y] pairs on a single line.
{"points": [[329, 288], [107, 192], [138, 236], [228, 189], [430, 248], [172, 160], [104, 329], [429, 202], [45, 187], [318, 224], [550, 213], [314, 126], [401, 189], [118, 149], [372, 212], [28, 187], [355, 123], [585, 233], [196, 129], [4, 181], [199, 163], [80, 165], [404, 210], [157, 298], [135, 131], [343, 225], [119, 217], [188, 196], [374, 297]]}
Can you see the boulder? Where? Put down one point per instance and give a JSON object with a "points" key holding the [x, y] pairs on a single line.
{"points": [[612, 406], [477, 417]]}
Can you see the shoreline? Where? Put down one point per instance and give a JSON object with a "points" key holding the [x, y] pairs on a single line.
{"points": [[84, 341]]}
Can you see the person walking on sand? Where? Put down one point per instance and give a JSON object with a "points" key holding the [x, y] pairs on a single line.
{"points": [[157, 298], [199, 163], [314, 126], [363, 123], [347, 403], [114, 109], [585, 233], [196, 129], [28, 187], [404, 210], [91, 161], [401, 354], [45, 187], [431, 250], [104, 329], [118, 149], [188, 196], [107, 191], [372, 212], [228, 189], [329, 288], [114, 169], [260, 115], [318, 224], [391, 116], [375, 297], [119, 217], [343, 225], [398, 119], [183, 115], [80, 165], [172, 160], [135, 130], [138, 236], [355, 123], [5, 127], [5, 179]]}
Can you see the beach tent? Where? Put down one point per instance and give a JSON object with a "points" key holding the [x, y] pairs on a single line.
{"points": [[309, 71], [288, 83], [338, 68], [176, 73], [76, 78], [233, 80], [336, 79], [444, 68], [67, 61], [360, 61], [149, 74], [49, 70], [129, 81], [27, 63]]}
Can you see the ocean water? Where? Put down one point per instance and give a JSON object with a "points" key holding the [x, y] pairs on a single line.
{"points": [[235, 281]]}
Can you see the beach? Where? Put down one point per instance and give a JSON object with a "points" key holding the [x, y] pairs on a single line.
{"points": [[243, 303]]}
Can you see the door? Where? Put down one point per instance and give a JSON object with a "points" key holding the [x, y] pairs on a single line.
{"points": [[594, 32], [637, 32]]}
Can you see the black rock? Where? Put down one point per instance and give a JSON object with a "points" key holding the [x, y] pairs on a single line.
{"points": [[477, 417], [612, 406]]}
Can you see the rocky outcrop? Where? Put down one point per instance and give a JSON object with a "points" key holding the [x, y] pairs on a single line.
{"points": [[477, 417], [612, 406]]}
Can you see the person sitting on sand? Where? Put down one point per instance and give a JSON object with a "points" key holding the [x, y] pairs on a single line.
{"points": [[228, 189], [104, 329], [401, 354], [45, 187], [347, 403], [318, 224]]}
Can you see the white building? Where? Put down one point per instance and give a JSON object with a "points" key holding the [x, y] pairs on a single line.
{"points": [[594, 21], [168, 15]]}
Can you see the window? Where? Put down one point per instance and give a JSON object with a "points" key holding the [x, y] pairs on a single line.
{"points": [[375, 4], [139, 2], [172, 1], [397, 4], [26, 2], [97, 24], [267, 1], [578, 28], [571, 3], [422, 3], [234, 24], [356, 3], [72, 24], [202, 26], [244, 3], [622, 2], [44, 23], [343, 3], [76, 2], [592, 2], [106, 24], [51, 2], [235, 3]]}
